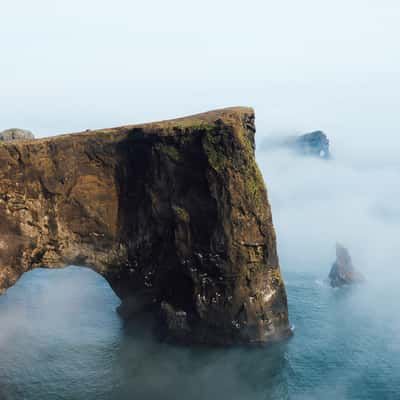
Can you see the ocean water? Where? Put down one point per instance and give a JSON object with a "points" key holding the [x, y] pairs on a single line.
{"points": [[60, 338]]}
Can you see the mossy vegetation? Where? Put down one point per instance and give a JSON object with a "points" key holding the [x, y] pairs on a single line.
{"points": [[171, 151], [184, 127], [181, 213], [255, 184], [220, 158], [216, 154]]}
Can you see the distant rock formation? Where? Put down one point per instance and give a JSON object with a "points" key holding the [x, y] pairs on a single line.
{"points": [[343, 271], [15, 134], [314, 144], [173, 214]]}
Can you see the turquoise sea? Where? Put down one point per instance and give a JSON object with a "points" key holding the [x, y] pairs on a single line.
{"points": [[60, 338]]}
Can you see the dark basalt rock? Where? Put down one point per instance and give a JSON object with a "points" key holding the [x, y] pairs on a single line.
{"points": [[173, 214], [343, 271], [15, 134], [314, 144]]}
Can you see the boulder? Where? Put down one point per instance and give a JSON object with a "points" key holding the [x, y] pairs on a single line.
{"points": [[15, 134]]}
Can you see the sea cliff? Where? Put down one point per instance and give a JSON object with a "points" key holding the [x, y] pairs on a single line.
{"points": [[173, 214]]}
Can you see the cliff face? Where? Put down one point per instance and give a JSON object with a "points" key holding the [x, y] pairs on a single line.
{"points": [[173, 214]]}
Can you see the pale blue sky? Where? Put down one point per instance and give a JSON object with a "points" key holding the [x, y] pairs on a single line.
{"points": [[71, 65]]}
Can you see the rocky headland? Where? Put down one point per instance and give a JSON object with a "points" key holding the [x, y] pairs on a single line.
{"points": [[174, 215]]}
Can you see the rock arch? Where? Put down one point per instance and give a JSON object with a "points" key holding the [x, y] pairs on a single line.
{"points": [[173, 214]]}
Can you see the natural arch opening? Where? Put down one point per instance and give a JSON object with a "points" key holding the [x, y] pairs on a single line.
{"points": [[47, 302], [57, 326]]}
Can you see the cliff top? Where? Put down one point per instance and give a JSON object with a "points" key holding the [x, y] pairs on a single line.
{"points": [[229, 115]]}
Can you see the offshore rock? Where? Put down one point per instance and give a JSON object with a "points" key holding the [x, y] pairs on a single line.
{"points": [[314, 144], [15, 134], [174, 215], [343, 271]]}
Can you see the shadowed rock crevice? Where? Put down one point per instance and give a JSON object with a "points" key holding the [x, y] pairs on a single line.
{"points": [[173, 214]]}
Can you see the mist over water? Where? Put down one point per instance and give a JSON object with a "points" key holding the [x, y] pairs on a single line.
{"points": [[60, 337], [354, 198]]}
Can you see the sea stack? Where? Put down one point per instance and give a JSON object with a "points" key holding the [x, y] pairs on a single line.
{"points": [[173, 214], [343, 271], [314, 144]]}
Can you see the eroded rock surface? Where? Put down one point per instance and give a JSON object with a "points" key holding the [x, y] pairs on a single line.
{"points": [[173, 214], [15, 134], [343, 271]]}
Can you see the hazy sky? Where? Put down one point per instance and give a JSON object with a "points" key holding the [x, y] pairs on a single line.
{"points": [[72, 65]]}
